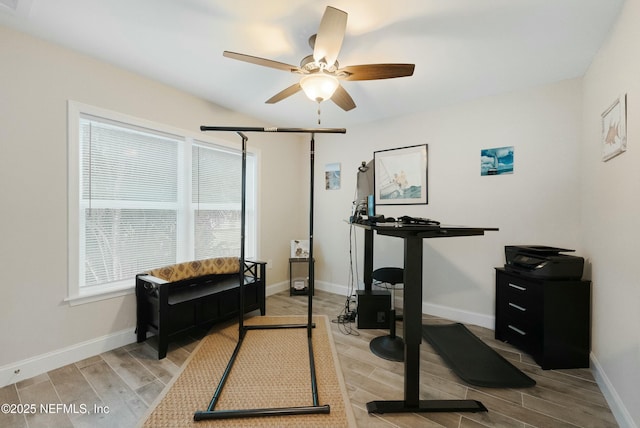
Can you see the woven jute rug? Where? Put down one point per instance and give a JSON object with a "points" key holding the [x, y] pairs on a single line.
{"points": [[271, 371]]}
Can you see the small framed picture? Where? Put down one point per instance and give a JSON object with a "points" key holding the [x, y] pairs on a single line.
{"points": [[496, 161], [614, 129], [332, 176], [400, 176], [299, 248]]}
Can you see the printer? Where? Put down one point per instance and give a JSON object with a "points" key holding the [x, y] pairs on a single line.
{"points": [[542, 262]]}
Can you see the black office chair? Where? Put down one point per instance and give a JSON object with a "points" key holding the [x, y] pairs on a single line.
{"points": [[389, 347]]}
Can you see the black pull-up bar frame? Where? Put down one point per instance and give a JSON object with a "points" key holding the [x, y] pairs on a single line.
{"points": [[315, 408], [238, 129]]}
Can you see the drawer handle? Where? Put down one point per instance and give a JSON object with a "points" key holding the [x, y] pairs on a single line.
{"points": [[518, 307], [517, 330], [517, 287]]}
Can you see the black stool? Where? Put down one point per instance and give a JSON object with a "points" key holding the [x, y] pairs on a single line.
{"points": [[389, 347]]}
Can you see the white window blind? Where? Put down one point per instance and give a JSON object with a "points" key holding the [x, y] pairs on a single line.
{"points": [[216, 197], [144, 196], [129, 199]]}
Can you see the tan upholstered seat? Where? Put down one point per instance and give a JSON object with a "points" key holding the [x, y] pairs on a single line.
{"points": [[193, 269]]}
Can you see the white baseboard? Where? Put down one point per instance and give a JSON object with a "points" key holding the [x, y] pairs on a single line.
{"points": [[39, 364], [453, 314], [276, 288], [34, 366], [319, 285], [616, 405], [332, 288]]}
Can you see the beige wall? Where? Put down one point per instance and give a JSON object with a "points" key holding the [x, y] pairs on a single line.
{"points": [[611, 212], [36, 81], [538, 204]]}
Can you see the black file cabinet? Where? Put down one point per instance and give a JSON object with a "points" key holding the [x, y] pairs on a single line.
{"points": [[548, 319]]}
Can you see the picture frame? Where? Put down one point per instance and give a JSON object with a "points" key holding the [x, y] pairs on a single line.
{"points": [[614, 129], [332, 176], [400, 176], [299, 249], [497, 161]]}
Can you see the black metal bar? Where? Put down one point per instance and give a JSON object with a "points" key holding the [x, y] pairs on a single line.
{"points": [[225, 375], [243, 212], [274, 129], [312, 365], [278, 411], [424, 406], [311, 288], [276, 326]]}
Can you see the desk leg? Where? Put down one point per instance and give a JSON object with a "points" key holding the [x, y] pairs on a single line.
{"points": [[412, 339], [412, 315], [368, 259]]}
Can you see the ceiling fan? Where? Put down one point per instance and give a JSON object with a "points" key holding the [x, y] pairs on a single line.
{"points": [[320, 71]]}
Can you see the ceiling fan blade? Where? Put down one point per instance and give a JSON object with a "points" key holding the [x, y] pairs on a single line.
{"points": [[262, 61], [342, 99], [377, 71], [330, 35], [284, 93]]}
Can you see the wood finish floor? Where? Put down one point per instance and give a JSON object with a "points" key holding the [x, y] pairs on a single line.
{"points": [[123, 382]]}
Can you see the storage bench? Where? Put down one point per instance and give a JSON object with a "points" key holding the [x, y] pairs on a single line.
{"points": [[175, 299]]}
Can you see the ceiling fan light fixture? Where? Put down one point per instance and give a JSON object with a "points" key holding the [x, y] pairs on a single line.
{"points": [[319, 86]]}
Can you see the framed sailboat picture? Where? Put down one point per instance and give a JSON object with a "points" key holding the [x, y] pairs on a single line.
{"points": [[401, 176]]}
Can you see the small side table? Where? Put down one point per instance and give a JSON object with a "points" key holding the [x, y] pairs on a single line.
{"points": [[299, 276]]}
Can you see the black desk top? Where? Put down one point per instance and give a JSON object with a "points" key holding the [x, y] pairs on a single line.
{"points": [[424, 231]]}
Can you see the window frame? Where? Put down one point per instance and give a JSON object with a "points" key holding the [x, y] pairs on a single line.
{"points": [[185, 222]]}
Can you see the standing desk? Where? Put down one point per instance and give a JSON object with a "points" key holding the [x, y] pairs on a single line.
{"points": [[412, 235]]}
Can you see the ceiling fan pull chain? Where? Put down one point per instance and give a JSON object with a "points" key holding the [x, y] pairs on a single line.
{"points": [[318, 113]]}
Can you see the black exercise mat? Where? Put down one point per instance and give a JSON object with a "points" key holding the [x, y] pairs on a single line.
{"points": [[472, 359]]}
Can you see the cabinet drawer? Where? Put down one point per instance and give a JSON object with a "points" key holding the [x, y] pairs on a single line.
{"points": [[521, 312], [519, 296], [526, 337], [518, 289], [525, 326]]}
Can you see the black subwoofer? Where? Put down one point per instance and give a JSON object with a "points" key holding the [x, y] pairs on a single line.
{"points": [[373, 309]]}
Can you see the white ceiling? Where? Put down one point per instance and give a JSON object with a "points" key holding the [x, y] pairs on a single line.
{"points": [[462, 48]]}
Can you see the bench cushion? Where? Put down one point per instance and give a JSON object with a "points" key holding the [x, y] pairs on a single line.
{"points": [[193, 269]]}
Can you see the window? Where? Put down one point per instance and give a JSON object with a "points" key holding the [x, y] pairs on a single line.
{"points": [[216, 197], [142, 196]]}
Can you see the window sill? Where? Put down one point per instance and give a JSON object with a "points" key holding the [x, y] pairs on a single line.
{"points": [[101, 294]]}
